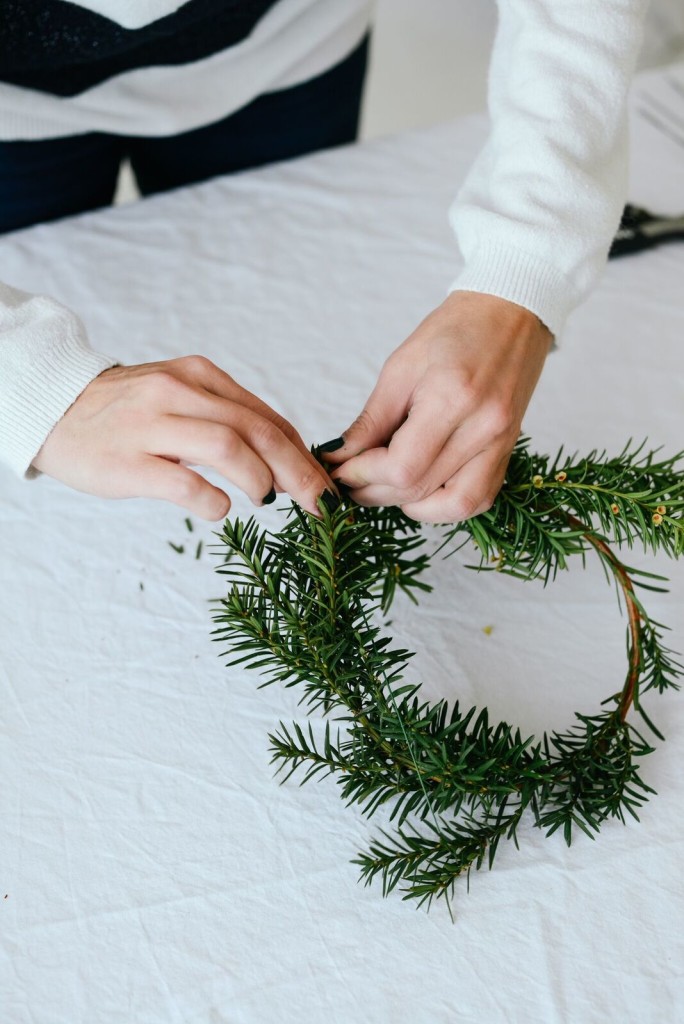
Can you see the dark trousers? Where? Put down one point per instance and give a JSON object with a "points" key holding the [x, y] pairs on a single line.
{"points": [[51, 178]]}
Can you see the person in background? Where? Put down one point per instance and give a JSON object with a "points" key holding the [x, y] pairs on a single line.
{"points": [[190, 90]]}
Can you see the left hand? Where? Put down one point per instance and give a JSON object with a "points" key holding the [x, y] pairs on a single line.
{"points": [[437, 432]]}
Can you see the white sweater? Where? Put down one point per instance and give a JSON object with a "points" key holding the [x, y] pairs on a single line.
{"points": [[534, 219]]}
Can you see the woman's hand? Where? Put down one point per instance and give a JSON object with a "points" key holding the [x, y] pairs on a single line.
{"points": [[134, 429], [436, 434]]}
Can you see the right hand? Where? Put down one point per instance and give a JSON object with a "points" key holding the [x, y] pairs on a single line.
{"points": [[134, 429]]}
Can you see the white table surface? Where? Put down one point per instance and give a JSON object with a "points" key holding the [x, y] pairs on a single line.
{"points": [[154, 870]]}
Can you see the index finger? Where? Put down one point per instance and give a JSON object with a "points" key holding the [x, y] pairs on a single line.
{"points": [[215, 380], [411, 455]]}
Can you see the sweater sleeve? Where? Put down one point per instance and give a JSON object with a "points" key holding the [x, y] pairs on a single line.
{"points": [[45, 363], [540, 205]]}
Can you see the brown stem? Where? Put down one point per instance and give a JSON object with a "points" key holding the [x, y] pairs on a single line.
{"points": [[620, 573]]}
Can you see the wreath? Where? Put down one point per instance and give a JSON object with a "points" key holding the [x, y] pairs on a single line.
{"points": [[304, 607]]}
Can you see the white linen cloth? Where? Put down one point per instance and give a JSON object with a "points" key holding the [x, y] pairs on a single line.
{"points": [[154, 870]]}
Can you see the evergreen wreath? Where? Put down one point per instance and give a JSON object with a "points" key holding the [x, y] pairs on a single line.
{"points": [[302, 608]]}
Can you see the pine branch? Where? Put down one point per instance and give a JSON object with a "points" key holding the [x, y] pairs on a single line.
{"points": [[302, 607]]}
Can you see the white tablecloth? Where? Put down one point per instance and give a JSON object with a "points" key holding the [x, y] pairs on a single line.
{"points": [[152, 870]]}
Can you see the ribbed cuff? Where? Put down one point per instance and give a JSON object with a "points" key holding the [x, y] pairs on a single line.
{"points": [[38, 398], [520, 278]]}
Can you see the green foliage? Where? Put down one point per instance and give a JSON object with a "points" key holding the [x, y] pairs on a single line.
{"points": [[303, 605]]}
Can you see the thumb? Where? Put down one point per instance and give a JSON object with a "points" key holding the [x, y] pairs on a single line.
{"points": [[382, 414]]}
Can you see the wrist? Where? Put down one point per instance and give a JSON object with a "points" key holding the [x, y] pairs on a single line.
{"points": [[501, 315]]}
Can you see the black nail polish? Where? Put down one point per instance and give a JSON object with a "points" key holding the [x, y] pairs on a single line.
{"points": [[331, 446], [270, 497], [330, 500]]}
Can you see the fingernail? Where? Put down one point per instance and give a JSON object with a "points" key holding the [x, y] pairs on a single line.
{"points": [[270, 497], [330, 500], [331, 446]]}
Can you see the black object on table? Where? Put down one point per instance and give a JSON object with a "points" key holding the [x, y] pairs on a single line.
{"points": [[639, 229]]}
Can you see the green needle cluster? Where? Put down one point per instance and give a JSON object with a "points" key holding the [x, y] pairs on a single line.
{"points": [[304, 606]]}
